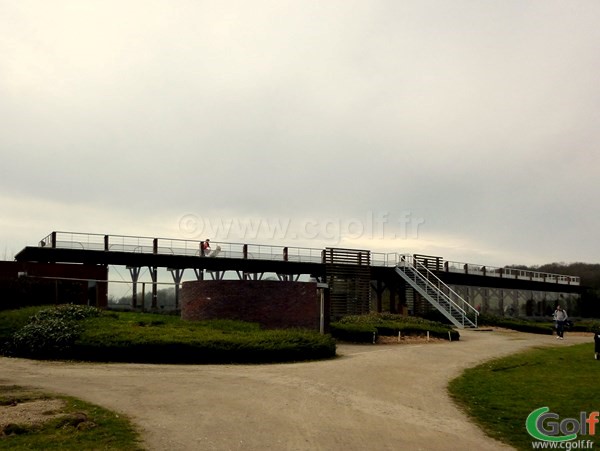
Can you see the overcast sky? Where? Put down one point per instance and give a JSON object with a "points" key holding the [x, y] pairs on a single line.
{"points": [[464, 129]]}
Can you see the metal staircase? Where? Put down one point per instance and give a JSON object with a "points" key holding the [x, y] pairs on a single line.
{"points": [[458, 311]]}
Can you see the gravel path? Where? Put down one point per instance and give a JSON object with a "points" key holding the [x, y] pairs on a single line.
{"points": [[384, 397]]}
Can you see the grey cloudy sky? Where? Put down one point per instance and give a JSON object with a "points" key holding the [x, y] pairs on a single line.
{"points": [[466, 129]]}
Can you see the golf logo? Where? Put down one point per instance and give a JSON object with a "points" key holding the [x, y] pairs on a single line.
{"points": [[546, 426]]}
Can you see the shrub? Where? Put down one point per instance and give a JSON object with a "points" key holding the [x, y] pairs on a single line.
{"points": [[67, 312], [49, 332], [13, 320], [79, 332], [517, 324], [357, 327], [44, 338], [586, 326], [380, 318], [356, 333], [177, 341]]}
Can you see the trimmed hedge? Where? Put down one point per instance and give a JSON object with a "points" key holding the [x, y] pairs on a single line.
{"points": [[538, 326], [587, 325], [360, 328], [84, 333], [517, 324], [356, 333], [186, 342]]}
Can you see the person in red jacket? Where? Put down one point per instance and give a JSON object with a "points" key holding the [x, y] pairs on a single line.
{"points": [[204, 247]]}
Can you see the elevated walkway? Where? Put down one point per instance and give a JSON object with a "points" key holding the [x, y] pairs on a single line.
{"points": [[357, 277], [75, 247]]}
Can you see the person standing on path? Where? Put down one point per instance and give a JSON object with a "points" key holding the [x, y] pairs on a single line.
{"points": [[560, 316]]}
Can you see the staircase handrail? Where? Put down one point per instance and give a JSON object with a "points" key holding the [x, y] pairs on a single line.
{"points": [[407, 259], [438, 299]]}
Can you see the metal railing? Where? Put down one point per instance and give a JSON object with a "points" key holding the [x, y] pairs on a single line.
{"points": [[510, 273], [385, 259], [170, 246], [392, 259]]}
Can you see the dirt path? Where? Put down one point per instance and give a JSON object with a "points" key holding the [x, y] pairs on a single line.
{"points": [[385, 397]]}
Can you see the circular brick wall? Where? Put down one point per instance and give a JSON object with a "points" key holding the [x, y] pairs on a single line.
{"points": [[273, 304]]}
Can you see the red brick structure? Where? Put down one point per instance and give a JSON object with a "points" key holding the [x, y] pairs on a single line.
{"points": [[273, 304]]}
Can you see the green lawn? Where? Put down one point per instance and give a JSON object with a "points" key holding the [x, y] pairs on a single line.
{"points": [[78, 426], [500, 394]]}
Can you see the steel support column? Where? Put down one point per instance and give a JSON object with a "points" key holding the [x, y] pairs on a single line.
{"points": [[154, 276], [177, 275], [134, 271]]}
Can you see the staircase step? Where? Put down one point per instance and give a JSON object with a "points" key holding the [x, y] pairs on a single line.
{"points": [[435, 296]]}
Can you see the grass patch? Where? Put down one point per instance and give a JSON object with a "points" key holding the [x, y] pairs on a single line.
{"points": [[500, 394], [77, 333], [76, 425]]}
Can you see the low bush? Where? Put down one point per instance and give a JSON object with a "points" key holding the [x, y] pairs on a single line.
{"points": [[538, 325], [67, 312], [357, 327], [13, 320], [49, 332], [517, 324], [46, 338], [189, 342], [71, 332], [356, 333], [587, 325]]}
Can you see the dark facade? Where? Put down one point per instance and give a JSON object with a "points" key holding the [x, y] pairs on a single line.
{"points": [[30, 283]]}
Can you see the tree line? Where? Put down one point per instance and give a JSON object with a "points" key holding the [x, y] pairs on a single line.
{"points": [[589, 273]]}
